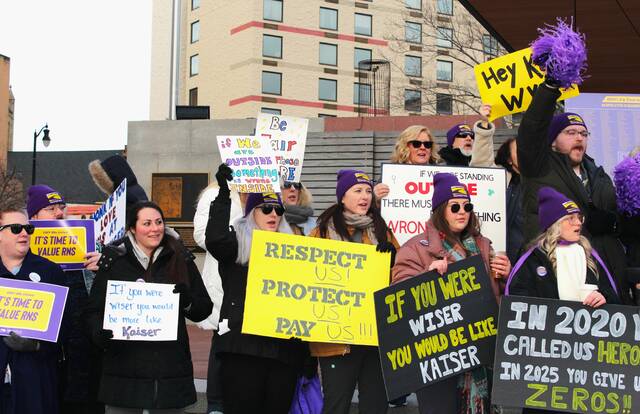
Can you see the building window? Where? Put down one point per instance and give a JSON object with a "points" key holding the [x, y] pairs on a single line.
{"points": [[195, 31], [194, 65], [326, 116], [444, 37], [328, 18], [327, 90], [272, 46], [328, 54], [193, 97], [490, 45], [195, 4], [361, 94], [413, 66], [360, 55], [413, 32], [444, 104], [445, 7], [412, 100], [272, 83], [271, 111], [413, 4], [272, 10], [444, 71], [363, 24]]}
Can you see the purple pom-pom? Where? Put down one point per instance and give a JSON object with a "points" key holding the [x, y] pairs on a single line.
{"points": [[626, 176], [561, 53]]}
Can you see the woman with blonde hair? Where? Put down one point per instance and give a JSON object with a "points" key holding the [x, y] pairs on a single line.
{"points": [[414, 145]]}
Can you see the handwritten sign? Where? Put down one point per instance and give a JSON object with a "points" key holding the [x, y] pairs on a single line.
{"points": [[32, 310], [407, 208], [137, 311], [288, 138], [563, 356], [110, 217], [253, 163], [509, 82], [433, 327], [64, 242], [314, 289]]}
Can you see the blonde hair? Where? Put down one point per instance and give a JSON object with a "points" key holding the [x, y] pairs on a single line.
{"points": [[548, 241], [400, 153]]}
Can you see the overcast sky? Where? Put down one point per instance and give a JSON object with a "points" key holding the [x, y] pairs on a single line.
{"points": [[81, 66]]}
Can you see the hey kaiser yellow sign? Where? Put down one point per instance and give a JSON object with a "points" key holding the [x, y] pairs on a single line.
{"points": [[314, 289], [508, 83]]}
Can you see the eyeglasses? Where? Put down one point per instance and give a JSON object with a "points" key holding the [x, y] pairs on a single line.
{"points": [[417, 144], [575, 218], [268, 208], [464, 135], [455, 207], [55, 207], [289, 184], [17, 228], [574, 132]]}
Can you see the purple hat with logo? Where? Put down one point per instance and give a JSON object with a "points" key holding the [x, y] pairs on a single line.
{"points": [[41, 196], [349, 178], [561, 121], [257, 199], [460, 130], [552, 206], [445, 187]]}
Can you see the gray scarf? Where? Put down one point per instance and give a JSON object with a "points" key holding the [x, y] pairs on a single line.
{"points": [[359, 222], [297, 214]]}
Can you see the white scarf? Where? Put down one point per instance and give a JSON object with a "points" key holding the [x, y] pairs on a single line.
{"points": [[140, 255], [571, 271]]}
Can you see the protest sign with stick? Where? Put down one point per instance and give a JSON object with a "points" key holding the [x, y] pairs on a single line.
{"points": [[288, 137]]}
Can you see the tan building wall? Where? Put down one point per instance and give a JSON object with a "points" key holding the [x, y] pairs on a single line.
{"points": [[231, 62], [160, 79], [5, 121]]}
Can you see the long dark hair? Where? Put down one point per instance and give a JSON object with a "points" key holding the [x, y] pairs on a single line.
{"points": [[176, 268], [503, 156], [336, 213], [440, 223]]}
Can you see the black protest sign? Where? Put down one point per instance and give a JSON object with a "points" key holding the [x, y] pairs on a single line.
{"points": [[433, 327], [564, 356]]}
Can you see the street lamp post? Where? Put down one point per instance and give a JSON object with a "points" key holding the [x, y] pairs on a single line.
{"points": [[46, 140]]}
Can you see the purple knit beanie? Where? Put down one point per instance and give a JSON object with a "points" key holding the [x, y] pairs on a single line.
{"points": [[256, 199], [349, 178], [445, 187], [552, 206], [41, 196], [462, 130], [561, 121]]}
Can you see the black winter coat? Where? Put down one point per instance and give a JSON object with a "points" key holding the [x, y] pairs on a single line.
{"points": [[222, 243], [515, 239], [527, 280], [540, 166], [146, 374], [453, 156]]}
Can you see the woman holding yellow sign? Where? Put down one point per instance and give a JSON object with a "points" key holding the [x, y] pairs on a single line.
{"points": [[355, 219], [258, 373]]}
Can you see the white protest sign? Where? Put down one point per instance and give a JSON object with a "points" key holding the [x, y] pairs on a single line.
{"points": [[110, 217], [137, 311], [288, 138], [253, 163], [407, 208]]}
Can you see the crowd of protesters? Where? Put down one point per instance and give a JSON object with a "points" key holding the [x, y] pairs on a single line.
{"points": [[564, 235]]}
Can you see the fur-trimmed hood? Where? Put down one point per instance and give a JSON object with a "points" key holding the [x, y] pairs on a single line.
{"points": [[108, 174]]}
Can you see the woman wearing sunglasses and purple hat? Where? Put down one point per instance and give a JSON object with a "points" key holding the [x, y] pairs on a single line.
{"points": [[298, 211], [258, 373], [453, 234]]}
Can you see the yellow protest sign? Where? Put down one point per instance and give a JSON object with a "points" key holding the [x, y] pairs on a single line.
{"points": [[314, 289], [508, 83], [65, 242]]}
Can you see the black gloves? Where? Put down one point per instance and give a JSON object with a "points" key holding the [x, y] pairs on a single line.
{"points": [[20, 344], [101, 337], [185, 296], [223, 175], [599, 222], [384, 247]]}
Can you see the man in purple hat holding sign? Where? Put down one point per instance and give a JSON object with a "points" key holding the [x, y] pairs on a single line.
{"points": [[459, 145], [33, 364]]}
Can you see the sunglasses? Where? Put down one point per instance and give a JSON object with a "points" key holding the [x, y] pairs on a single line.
{"points": [[464, 135], [17, 228], [268, 208], [417, 144], [289, 184], [468, 208]]}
